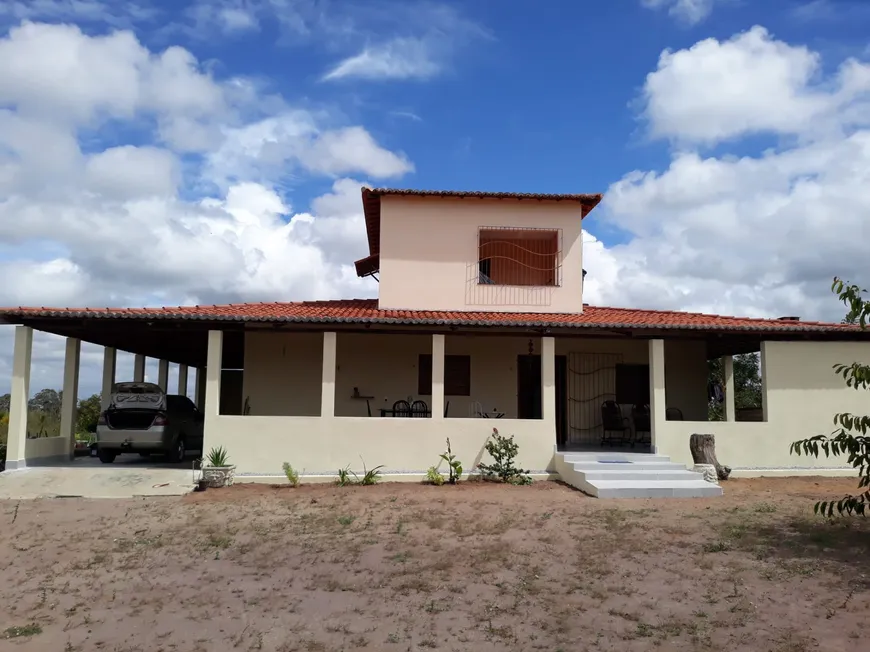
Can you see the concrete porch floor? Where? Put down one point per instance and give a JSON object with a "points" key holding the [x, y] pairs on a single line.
{"points": [[86, 477]]}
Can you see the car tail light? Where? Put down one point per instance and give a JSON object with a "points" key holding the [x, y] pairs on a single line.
{"points": [[160, 420], [101, 420]]}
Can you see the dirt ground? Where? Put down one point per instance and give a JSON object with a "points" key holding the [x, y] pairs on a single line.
{"points": [[411, 567]]}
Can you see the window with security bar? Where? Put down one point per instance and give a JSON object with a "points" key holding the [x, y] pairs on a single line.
{"points": [[519, 256]]}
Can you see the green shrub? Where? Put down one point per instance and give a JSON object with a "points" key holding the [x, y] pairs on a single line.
{"points": [[433, 476], [292, 474], [503, 451]]}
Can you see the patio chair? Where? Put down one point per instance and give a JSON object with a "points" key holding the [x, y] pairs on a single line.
{"points": [[446, 409], [613, 423], [640, 416], [401, 409], [419, 409], [673, 414]]}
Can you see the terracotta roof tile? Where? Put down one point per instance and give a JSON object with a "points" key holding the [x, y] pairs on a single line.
{"points": [[367, 311]]}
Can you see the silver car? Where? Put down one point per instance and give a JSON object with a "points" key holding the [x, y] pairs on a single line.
{"points": [[143, 419]]}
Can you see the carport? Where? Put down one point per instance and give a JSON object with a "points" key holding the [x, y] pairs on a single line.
{"points": [[181, 341]]}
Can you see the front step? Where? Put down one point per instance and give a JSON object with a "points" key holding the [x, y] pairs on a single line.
{"points": [[631, 475]]}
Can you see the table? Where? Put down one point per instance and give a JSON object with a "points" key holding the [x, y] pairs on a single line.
{"points": [[491, 415]]}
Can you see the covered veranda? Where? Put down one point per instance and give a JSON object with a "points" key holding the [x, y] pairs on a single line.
{"points": [[297, 382]]}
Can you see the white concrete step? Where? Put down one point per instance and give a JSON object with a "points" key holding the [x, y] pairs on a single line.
{"points": [[617, 455], [655, 489], [631, 475], [634, 475], [656, 467]]}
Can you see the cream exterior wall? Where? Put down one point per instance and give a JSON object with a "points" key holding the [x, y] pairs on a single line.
{"points": [[429, 254], [803, 394], [315, 446], [43, 450], [283, 373]]}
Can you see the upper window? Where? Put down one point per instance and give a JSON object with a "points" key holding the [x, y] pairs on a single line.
{"points": [[514, 256]]}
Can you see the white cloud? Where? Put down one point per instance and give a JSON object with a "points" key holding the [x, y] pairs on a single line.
{"points": [[153, 223], [226, 17], [278, 146], [119, 13], [401, 58], [752, 83], [759, 234], [404, 41], [690, 12]]}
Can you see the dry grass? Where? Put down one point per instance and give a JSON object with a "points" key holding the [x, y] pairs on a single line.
{"points": [[399, 567]]}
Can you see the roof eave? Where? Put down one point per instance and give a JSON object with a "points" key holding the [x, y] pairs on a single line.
{"points": [[167, 316]]}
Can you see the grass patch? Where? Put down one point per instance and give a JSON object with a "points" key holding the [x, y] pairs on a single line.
{"points": [[20, 631]]}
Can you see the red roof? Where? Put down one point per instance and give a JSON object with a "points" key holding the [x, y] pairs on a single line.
{"points": [[363, 311], [371, 199]]}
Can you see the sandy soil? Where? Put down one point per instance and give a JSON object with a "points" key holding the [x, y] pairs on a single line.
{"points": [[409, 567]]}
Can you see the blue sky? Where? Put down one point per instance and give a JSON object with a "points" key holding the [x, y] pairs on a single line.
{"points": [[731, 139]]}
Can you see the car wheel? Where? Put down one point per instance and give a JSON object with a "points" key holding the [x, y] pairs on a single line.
{"points": [[107, 457], [179, 452]]}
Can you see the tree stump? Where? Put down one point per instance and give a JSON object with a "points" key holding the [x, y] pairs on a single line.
{"points": [[703, 449]]}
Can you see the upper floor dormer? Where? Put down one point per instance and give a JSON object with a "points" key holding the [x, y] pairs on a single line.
{"points": [[475, 251]]}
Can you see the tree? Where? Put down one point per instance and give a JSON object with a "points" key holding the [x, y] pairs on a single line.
{"points": [[47, 401], [747, 383], [88, 413], [850, 438], [5, 401]]}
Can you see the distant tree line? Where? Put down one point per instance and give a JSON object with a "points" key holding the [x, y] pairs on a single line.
{"points": [[43, 415]]}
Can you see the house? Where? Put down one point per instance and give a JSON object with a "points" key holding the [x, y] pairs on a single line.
{"points": [[479, 316]]}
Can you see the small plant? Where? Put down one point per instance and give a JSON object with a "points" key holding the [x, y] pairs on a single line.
{"points": [[344, 478], [292, 474], [346, 520], [454, 466], [503, 451], [218, 457], [370, 476], [433, 476]]}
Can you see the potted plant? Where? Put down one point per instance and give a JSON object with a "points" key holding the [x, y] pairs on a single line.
{"points": [[217, 471]]}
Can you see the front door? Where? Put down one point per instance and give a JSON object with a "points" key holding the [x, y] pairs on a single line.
{"points": [[561, 401], [529, 387], [529, 404]]}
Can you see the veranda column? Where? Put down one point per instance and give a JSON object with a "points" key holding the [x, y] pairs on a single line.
{"points": [[70, 399], [163, 375], [438, 377], [15, 457], [110, 358], [657, 399], [728, 372], [182, 380], [327, 389], [211, 407], [138, 368], [548, 383], [199, 388], [764, 386]]}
